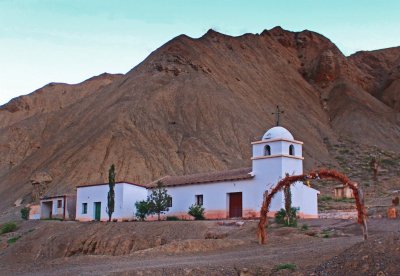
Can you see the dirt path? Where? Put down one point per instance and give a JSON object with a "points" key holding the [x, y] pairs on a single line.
{"points": [[304, 254], [286, 245]]}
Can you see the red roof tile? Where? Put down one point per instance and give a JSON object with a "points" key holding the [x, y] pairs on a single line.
{"points": [[236, 174]]}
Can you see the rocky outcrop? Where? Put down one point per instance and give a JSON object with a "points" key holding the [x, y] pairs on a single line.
{"points": [[381, 69], [40, 183]]}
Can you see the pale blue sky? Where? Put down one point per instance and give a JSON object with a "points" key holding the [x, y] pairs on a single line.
{"points": [[44, 41]]}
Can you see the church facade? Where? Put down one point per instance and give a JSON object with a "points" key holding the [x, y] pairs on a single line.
{"points": [[226, 194]]}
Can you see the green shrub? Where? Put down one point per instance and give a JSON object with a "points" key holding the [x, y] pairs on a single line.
{"points": [[325, 233], [344, 151], [324, 198], [8, 227], [304, 227], [142, 209], [196, 211], [172, 218], [349, 200], [280, 216], [13, 239], [25, 213], [56, 219], [288, 220], [389, 162], [289, 266]]}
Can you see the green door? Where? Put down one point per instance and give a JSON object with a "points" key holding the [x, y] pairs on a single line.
{"points": [[97, 210]]}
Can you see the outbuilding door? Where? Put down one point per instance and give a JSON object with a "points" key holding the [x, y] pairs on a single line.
{"points": [[46, 210], [97, 210], [235, 205]]}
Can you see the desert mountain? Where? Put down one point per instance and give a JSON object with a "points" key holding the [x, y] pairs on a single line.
{"points": [[195, 105]]}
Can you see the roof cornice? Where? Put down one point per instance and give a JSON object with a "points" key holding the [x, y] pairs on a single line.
{"points": [[277, 155], [277, 140]]}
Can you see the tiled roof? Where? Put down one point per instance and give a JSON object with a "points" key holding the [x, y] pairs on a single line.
{"points": [[236, 174]]}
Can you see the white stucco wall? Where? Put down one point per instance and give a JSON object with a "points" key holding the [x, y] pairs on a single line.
{"points": [[131, 194], [215, 197], [306, 199], [125, 197]]}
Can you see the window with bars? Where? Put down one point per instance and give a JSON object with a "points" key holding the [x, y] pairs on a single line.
{"points": [[169, 202], [199, 200]]}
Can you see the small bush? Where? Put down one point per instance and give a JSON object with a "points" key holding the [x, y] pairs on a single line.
{"points": [[324, 198], [142, 209], [325, 233], [389, 162], [349, 200], [282, 218], [172, 218], [13, 239], [196, 211], [304, 227], [56, 219], [8, 227], [25, 213], [289, 266]]}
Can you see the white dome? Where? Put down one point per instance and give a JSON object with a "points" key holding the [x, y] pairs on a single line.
{"points": [[278, 132]]}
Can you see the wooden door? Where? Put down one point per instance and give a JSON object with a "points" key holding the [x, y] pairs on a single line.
{"points": [[97, 210], [235, 205]]}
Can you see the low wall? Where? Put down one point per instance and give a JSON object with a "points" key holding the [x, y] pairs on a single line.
{"points": [[34, 212]]}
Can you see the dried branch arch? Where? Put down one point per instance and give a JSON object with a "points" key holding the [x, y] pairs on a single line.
{"points": [[319, 174]]}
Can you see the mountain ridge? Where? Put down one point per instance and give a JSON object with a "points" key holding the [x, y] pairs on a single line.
{"points": [[194, 105]]}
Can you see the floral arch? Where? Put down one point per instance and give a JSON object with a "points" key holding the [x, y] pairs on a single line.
{"points": [[319, 174]]}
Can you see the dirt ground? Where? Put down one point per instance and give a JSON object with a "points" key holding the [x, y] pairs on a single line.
{"points": [[319, 247]]}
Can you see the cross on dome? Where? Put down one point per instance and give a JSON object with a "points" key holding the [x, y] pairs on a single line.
{"points": [[277, 114]]}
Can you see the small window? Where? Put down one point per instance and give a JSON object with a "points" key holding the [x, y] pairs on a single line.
{"points": [[199, 200], [291, 150], [267, 150], [59, 203], [84, 208], [169, 202]]}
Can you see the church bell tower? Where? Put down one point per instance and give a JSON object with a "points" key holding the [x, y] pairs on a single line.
{"points": [[276, 155]]}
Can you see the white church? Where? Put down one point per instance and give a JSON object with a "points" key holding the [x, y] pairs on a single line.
{"points": [[228, 194]]}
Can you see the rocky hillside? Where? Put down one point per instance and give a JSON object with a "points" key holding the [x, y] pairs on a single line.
{"points": [[195, 105]]}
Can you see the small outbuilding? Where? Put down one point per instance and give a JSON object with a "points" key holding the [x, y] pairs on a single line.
{"points": [[92, 201], [343, 191], [58, 207]]}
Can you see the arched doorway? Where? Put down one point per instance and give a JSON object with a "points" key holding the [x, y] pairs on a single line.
{"points": [[319, 174]]}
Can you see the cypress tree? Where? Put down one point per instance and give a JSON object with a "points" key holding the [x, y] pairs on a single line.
{"points": [[111, 193]]}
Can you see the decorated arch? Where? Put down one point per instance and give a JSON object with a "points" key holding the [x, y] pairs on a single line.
{"points": [[319, 174]]}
